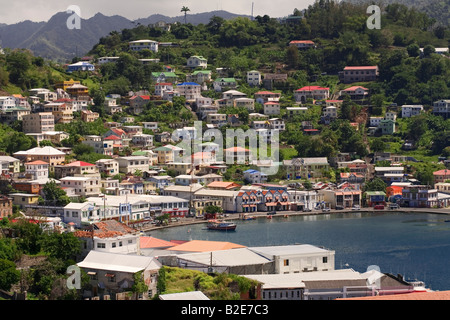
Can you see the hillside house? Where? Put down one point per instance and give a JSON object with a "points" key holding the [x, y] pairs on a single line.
{"points": [[311, 92], [358, 74], [139, 45], [197, 62]]}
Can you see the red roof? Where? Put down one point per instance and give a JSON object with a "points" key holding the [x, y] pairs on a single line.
{"points": [[312, 88], [80, 164], [113, 137], [142, 97]]}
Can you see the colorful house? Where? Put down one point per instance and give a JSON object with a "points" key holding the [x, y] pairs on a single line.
{"points": [[263, 200], [374, 198]]}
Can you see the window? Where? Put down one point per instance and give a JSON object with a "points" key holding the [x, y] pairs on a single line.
{"points": [[325, 260], [101, 245], [113, 244], [286, 262]]}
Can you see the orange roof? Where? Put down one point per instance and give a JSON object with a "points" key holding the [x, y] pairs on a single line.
{"points": [[354, 88], [237, 149], [151, 242], [205, 246], [360, 68], [37, 162], [302, 41], [432, 295], [444, 172], [222, 184]]}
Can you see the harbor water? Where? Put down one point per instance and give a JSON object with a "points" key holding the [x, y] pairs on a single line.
{"points": [[415, 245]]}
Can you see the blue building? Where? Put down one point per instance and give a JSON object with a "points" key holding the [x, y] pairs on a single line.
{"points": [[80, 66]]}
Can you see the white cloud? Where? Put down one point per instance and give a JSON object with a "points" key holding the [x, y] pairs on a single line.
{"points": [[41, 10]]}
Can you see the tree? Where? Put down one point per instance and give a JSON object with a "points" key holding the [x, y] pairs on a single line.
{"points": [[139, 285], [375, 184], [213, 209], [54, 195], [162, 282], [185, 10], [62, 246], [9, 275]]}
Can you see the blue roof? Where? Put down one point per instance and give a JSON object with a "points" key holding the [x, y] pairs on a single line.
{"points": [[188, 84], [251, 171]]}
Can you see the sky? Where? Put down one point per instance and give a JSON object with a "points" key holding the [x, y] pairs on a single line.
{"points": [[41, 10]]}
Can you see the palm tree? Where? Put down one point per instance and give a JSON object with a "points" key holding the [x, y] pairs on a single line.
{"points": [[185, 10]]}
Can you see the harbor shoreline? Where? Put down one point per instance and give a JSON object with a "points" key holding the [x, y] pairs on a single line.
{"points": [[282, 214]]}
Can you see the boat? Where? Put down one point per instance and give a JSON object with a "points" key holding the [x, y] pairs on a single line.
{"points": [[269, 217], [221, 225], [246, 217]]}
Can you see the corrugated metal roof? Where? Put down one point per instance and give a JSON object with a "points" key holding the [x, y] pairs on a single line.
{"points": [[118, 262], [228, 258]]}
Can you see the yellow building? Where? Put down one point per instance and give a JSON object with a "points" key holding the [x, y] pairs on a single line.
{"points": [[24, 199], [66, 84]]}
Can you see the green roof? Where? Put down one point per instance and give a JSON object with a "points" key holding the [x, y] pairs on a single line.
{"points": [[162, 149], [226, 79], [201, 71], [375, 193], [167, 74]]}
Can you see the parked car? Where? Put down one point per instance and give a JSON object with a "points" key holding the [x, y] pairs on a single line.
{"points": [[394, 206], [379, 207], [306, 210], [326, 209], [356, 207], [339, 208]]}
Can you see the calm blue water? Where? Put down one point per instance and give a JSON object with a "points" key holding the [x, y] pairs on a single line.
{"points": [[415, 245]]}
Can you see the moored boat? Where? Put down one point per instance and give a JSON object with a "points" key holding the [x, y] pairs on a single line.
{"points": [[221, 225]]}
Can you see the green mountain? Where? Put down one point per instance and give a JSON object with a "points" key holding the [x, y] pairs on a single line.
{"points": [[436, 9], [53, 40]]}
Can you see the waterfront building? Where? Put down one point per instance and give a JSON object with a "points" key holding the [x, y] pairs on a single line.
{"points": [[419, 196]]}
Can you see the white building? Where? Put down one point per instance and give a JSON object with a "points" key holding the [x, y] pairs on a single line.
{"points": [[330, 111], [411, 110], [305, 199], [139, 45], [189, 90], [37, 170], [254, 78], [144, 140], [133, 163], [7, 103], [298, 258], [197, 62], [100, 145], [272, 108], [109, 167], [162, 87], [83, 185], [103, 60], [442, 108]]}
